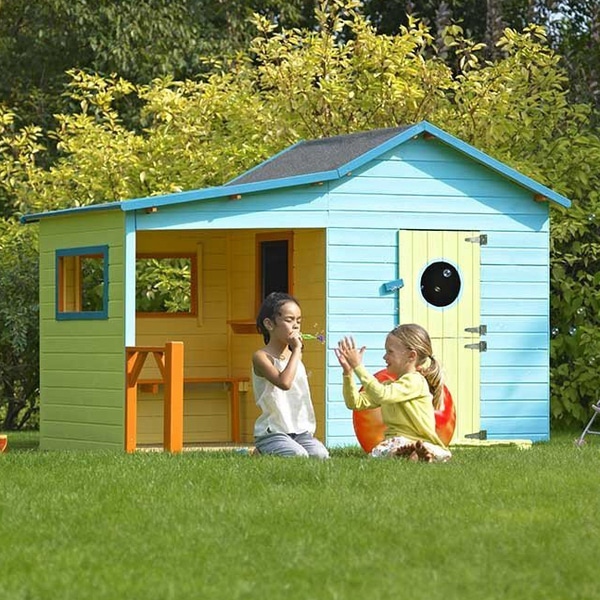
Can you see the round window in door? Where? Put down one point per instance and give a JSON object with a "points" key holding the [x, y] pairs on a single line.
{"points": [[440, 284]]}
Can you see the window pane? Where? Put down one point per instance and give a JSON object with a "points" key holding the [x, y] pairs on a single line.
{"points": [[274, 263], [82, 283], [164, 284], [92, 283]]}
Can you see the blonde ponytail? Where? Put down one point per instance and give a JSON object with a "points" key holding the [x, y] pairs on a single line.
{"points": [[416, 338]]}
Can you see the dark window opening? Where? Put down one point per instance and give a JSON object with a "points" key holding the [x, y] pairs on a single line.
{"points": [[274, 267]]}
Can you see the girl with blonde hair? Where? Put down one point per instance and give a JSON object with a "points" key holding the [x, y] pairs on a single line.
{"points": [[408, 402]]}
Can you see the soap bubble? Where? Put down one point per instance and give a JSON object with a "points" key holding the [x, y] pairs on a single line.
{"points": [[572, 330], [447, 273], [555, 331]]}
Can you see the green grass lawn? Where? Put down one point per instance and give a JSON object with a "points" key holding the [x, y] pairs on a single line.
{"points": [[495, 522]]}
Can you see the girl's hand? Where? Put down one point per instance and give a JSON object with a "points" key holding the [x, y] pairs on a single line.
{"points": [[348, 355], [295, 340], [343, 362]]}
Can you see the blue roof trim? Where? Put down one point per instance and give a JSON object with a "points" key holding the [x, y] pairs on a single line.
{"points": [[227, 190], [34, 217], [401, 138], [495, 165]]}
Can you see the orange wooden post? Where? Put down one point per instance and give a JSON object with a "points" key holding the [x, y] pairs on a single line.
{"points": [[173, 415]]}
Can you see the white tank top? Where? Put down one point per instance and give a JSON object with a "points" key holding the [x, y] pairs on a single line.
{"points": [[283, 411]]}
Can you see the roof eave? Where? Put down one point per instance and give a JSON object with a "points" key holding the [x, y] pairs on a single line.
{"points": [[227, 191], [36, 217]]}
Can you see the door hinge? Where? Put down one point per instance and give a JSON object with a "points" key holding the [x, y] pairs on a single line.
{"points": [[481, 346], [478, 239], [481, 330], [478, 435]]}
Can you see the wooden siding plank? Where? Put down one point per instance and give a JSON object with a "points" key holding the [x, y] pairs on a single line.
{"points": [[508, 358], [92, 398], [506, 391], [60, 443], [524, 307], [428, 186], [514, 409], [522, 340], [367, 306], [514, 256], [79, 381], [421, 149], [368, 237], [515, 291], [378, 272], [357, 323], [374, 340], [225, 220], [362, 254], [340, 428], [419, 168], [515, 324], [516, 375], [108, 415], [367, 290], [70, 362], [77, 345], [515, 273], [82, 432], [337, 410], [458, 203], [416, 220], [341, 441], [514, 239], [522, 427]]}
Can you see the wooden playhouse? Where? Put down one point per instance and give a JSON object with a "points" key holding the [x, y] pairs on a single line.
{"points": [[368, 230]]}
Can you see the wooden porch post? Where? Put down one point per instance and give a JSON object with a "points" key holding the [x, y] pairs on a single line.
{"points": [[173, 408]]}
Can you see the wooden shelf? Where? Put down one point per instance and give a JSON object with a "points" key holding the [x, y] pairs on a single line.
{"points": [[244, 327]]}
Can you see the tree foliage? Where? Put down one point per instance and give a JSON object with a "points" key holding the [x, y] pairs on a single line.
{"points": [[19, 329], [337, 77]]}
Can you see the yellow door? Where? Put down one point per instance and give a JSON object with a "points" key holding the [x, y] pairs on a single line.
{"points": [[441, 292]]}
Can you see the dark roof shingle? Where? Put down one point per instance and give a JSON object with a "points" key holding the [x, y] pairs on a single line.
{"points": [[318, 156]]}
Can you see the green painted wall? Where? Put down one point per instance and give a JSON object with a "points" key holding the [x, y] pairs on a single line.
{"points": [[82, 362]]}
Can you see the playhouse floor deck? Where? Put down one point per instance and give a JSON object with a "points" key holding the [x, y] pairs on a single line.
{"points": [[202, 447]]}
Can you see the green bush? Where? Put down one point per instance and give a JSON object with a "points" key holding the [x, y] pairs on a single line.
{"points": [[19, 327]]}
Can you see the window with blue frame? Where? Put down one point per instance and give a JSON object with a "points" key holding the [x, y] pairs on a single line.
{"points": [[82, 283]]}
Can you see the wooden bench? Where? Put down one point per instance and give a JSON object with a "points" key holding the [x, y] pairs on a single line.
{"points": [[169, 360], [236, 384]]}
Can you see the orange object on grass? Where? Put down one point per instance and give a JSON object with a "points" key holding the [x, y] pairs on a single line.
{"points": [[3, 443], [370, 428]]}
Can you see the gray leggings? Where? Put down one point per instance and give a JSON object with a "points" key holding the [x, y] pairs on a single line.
{"points": [[292, 444]]}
